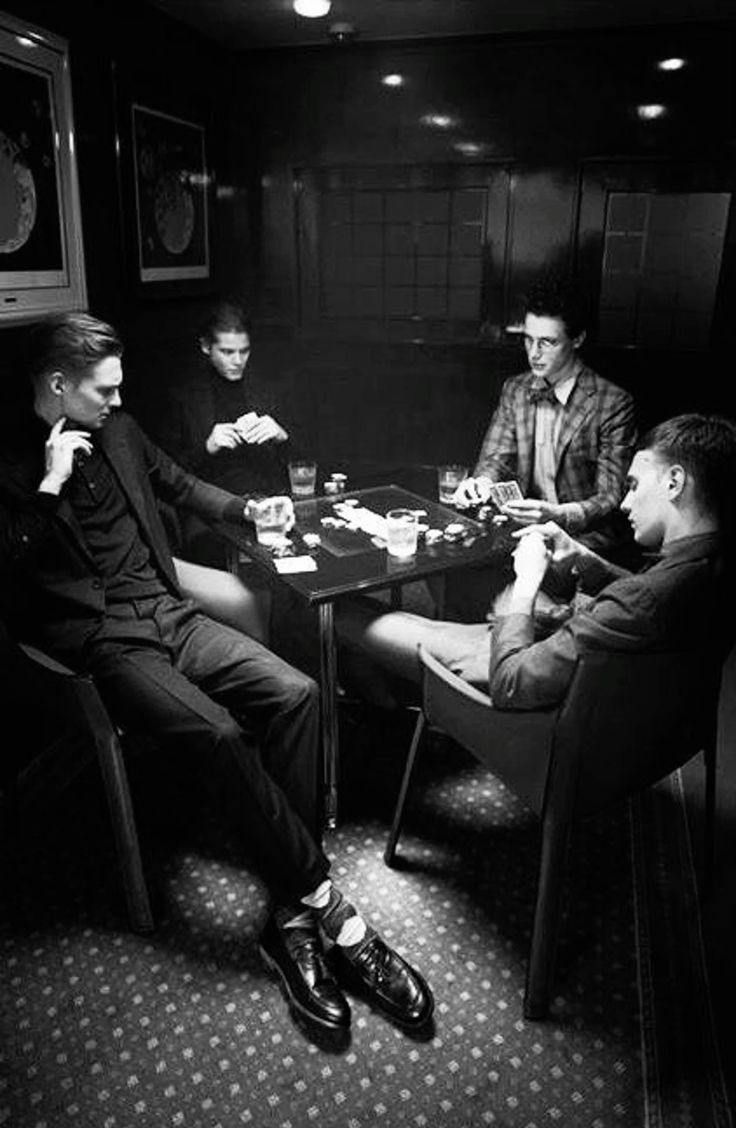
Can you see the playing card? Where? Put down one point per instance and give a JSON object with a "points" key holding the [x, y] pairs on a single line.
{"points": [[501, 492]]}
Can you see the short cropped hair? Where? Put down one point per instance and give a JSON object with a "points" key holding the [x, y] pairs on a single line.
{"points": [[705, 446], [224, 317], [71, 343], [556, 295]]}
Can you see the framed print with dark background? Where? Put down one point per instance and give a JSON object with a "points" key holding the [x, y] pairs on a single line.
{"points": [[171, 197], [41, 253]]}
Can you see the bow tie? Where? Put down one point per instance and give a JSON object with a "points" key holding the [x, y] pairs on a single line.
{"points": [[540, 393]]}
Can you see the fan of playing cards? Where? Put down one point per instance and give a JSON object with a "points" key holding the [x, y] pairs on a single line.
{"points": [[501, 492]]}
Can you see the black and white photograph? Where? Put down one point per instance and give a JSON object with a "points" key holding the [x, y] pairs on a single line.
{"points": [[367, 563]]}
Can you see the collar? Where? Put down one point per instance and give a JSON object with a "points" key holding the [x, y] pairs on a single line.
{"points": [[564, 389], [701, 544]]}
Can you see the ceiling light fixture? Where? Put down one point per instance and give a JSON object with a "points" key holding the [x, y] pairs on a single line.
{"points": [[312, 9], [342, 32], [673, 64], [651, 111], [468, 148], [393, 80], [439, 121]]}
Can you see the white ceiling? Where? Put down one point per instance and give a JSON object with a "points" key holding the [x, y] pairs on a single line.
{"points": [[243, 24]]}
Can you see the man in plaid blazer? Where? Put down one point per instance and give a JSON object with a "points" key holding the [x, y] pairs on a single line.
{"points": [[560, 430], [564, 435]]}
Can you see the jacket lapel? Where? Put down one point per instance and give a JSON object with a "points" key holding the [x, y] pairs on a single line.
{"points": [[113, 444], [579, 407], [526, 418]]}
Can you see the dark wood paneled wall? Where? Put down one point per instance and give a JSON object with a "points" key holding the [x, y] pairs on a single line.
{"points": [[555, 109], [552, 108]]}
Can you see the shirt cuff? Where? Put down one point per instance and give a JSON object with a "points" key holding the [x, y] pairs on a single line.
{"points": [[48, 502], [234, 511]]}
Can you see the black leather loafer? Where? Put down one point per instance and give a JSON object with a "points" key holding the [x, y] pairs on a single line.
{"points": [[296, 955], [386, 980]]}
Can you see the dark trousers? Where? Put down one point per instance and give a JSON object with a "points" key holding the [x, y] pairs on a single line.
{"points": [[165, 669]]}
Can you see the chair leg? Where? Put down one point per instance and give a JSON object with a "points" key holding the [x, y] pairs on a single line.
{"points": [[545, 929], [112, 766], [393, 837], [12, 846], [709, 851]]}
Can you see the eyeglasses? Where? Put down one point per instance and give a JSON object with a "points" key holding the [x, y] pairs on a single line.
{"points": [[546, 344]]}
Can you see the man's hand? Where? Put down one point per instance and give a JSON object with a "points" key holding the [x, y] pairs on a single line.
{"points": [[258, 429], [223, 436], [61, 446], [560, 544], [529, 511], [473, 491], [531, 557]]}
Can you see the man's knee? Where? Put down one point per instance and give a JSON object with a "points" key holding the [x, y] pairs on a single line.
{"points": [[298, 691], [225, 730]]}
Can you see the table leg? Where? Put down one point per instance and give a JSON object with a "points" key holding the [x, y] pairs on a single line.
{"points": [[328, 686]]}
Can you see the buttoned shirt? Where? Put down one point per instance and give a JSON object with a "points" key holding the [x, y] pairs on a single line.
{"points": [[547, 427]]}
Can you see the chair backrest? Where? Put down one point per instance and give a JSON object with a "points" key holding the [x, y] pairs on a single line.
{"points": [[631, 719]]}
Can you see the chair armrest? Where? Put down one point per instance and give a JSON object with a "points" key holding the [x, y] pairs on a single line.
{"points": [[46, 661], [453, 681]]}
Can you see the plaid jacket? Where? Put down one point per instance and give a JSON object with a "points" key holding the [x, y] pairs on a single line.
{"points": [[595, 448]]}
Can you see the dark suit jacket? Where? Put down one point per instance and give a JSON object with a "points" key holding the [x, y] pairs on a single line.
{"points": [[595, 448], [51, 589], [675, 605]]}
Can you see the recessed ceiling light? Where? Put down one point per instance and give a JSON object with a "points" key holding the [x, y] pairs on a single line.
{"points": [[651, 111], [312, 9], [468, 148], [673, 64], [393, 80], [439, 121]]}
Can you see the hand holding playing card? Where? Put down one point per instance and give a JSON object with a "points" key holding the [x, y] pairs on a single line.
{"points": [[501, 493], [529, 511], [257, 429]]}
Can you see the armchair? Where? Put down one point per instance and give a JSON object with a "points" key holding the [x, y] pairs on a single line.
{"points": [[627, 721], [72, 708]]}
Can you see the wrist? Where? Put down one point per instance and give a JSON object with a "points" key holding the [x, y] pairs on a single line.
{"points": [[51, 484], [523, 597]]}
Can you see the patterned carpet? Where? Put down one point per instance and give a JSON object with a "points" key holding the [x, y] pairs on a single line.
{"points": [[185, 1028]]}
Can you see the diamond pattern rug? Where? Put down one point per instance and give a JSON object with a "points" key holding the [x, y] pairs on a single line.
{"points": [[103, 1028]]}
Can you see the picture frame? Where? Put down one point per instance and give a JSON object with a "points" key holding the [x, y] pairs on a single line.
{"points": [[41, 249], [171, 182]]}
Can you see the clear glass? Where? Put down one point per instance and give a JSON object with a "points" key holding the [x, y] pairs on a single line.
{"points": [[448, 479], [401, 532], [273, 518], [302, 478]]}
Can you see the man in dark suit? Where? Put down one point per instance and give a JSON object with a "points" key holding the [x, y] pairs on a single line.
{"points": [[680, 507], [87, 573]]}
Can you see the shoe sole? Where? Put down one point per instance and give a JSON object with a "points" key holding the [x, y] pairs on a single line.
{"points": [[290, 997]]}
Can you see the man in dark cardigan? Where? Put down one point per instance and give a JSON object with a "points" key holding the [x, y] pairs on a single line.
{"points": [[220, 423], [87, 574]]}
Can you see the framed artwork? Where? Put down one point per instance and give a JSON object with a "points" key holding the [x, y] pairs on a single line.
{"points": [[41, 255], [171, 189]]}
